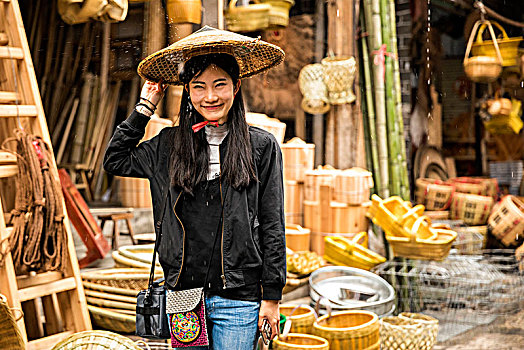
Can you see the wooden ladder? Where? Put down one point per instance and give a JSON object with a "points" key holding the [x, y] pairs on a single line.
{"points": [[54, 303]]}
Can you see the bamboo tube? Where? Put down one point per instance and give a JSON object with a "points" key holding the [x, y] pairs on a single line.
{"points": [[374, 29], [404, 178], [391, 119]]}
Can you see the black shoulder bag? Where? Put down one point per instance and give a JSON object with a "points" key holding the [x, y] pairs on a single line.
{"points": [[151, 317]]}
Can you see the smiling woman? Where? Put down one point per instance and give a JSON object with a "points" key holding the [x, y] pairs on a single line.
{"points": [[223, 230]]}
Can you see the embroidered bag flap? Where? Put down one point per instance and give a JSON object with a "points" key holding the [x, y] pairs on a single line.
{"points": [[179, 301]]}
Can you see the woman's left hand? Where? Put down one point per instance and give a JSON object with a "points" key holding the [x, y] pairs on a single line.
{"points": [[269, 310]]}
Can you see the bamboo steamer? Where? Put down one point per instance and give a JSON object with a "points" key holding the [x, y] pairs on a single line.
{"points": [[349, 218], [349, 330], [298, 157], [184, 11], [272, 125], [302, 317], [322, 176], [297, 237], [352, 186], [296, 341], [506, 221], [294, 202]]}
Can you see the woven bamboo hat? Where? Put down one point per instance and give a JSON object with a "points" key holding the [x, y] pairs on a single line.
{"points": [[253, 55]]}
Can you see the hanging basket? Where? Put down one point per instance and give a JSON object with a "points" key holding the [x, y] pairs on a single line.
{"points": [[339, 73], [506, 221], [248, 18], [508, 46], [483, 69], [184, 11], [311, 84], [279, 12]]}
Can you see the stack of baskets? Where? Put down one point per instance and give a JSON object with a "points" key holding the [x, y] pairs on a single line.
{"points": [[135, 256], [409, 233], [111, 297], [408, 331], [435, 195], [297, 157]]}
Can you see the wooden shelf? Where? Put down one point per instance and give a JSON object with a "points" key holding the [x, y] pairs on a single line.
{"points": [[9, 52], [13, 111], [8, 170]]}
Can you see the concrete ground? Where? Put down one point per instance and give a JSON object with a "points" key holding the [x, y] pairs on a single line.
{"points": [[504, 333]]}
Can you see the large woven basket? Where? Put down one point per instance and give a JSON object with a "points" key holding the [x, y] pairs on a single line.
{"points": [[296, 341], [423, 249], [314, 91], [109, 289], [470, 208], [96, 340], [349, 330], [279, 12], [347, 252], [506, 221], [430, 328], [248, 18], [298, 157], [352, 186], [482, 69], [339, 73], [508, 46], [433, 194], [302, 317], [112, 320], [10, 336], [184, 11], [130, 278], [402, 333]]}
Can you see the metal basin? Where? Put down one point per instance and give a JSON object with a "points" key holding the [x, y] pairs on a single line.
{"points": [[349, 288]]}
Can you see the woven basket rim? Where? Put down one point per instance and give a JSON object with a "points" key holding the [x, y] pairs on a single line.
{"points": [[109, 296], [112, 314], [116, 274], [426, 319], [324, 341], [374, 319], [104, 334], [110, 289], [211, 40]]}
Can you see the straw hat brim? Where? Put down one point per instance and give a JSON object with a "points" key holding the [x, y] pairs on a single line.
{"points": [[252, 55]]}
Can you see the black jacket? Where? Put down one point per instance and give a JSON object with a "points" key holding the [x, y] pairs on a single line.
{"points": [[253, 240]]}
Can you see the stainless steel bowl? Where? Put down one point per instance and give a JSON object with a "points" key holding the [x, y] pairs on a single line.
{"points": [[327, 286]]}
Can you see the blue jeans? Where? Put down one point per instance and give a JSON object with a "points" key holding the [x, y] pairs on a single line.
{"points": [[232, 324]]}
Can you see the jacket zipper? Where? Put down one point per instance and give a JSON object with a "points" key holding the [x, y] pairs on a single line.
{"points": [[223, 276], [183, 238]]}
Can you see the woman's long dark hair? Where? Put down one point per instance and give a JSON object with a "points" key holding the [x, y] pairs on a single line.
{"points": [[190, 151]]}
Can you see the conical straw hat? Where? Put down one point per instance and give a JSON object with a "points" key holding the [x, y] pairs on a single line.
{"points": [[253, 55]]}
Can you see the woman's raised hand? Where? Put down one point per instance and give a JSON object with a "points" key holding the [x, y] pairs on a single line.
{"points": [[152, 93]]}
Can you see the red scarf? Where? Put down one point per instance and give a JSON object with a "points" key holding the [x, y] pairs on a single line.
{"points": [[196, 127]]}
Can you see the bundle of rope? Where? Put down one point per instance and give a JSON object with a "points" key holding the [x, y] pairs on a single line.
{"points": [[38, 241]]}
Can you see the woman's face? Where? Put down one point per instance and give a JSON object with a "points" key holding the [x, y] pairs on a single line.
{"points": [[212, 93]]}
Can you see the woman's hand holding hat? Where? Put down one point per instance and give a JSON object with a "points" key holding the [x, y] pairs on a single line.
{"points": [[150, 96]]}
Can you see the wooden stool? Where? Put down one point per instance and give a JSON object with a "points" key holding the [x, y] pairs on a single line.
{"points": [[116, 232]]}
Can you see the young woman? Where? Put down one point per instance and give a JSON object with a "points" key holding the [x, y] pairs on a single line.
{"points": [[219, 172]]}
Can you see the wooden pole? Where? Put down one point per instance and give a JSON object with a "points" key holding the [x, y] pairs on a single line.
{"points": [[154, 36], [318, 119]]}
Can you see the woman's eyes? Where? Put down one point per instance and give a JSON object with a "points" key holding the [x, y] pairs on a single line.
{"points": [[220, 84]]}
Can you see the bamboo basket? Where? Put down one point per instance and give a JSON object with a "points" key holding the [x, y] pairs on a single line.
{"points": [[112, 297], [506, 221], [430, 328], [508, 46], [111, 304], [313, 89], [278, 12], [414, 248], [339, 73], [298, 157], [10, 336], [301, 317], [248, 18], [398, 333], [437, 215], [352, 186], [297, 237], [272, 125], [472, 185], [322, 176], [135, 192], [296, 341], [433, 194], [130, 278], [346, 252], [470, 208], [482, 69], [96, 340], [109, 289], [348, 218], [122, 262], [111, 320], [184, 11], [294, 202], [349, 330]]}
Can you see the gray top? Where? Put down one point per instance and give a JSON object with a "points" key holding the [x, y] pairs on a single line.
{"points": [[215, 136]]}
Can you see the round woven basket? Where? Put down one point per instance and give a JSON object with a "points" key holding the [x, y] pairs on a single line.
{"points": [[112, 320], [302, 317], [311, 84], [122, 278], [247, 18], [433, 194], [10, 336], [506, 221], [482, 69], [295, 341], [109, 289], [401, 333], [349, 330], [429, 328], [471, 208], [96, 340], [339, 73]]}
